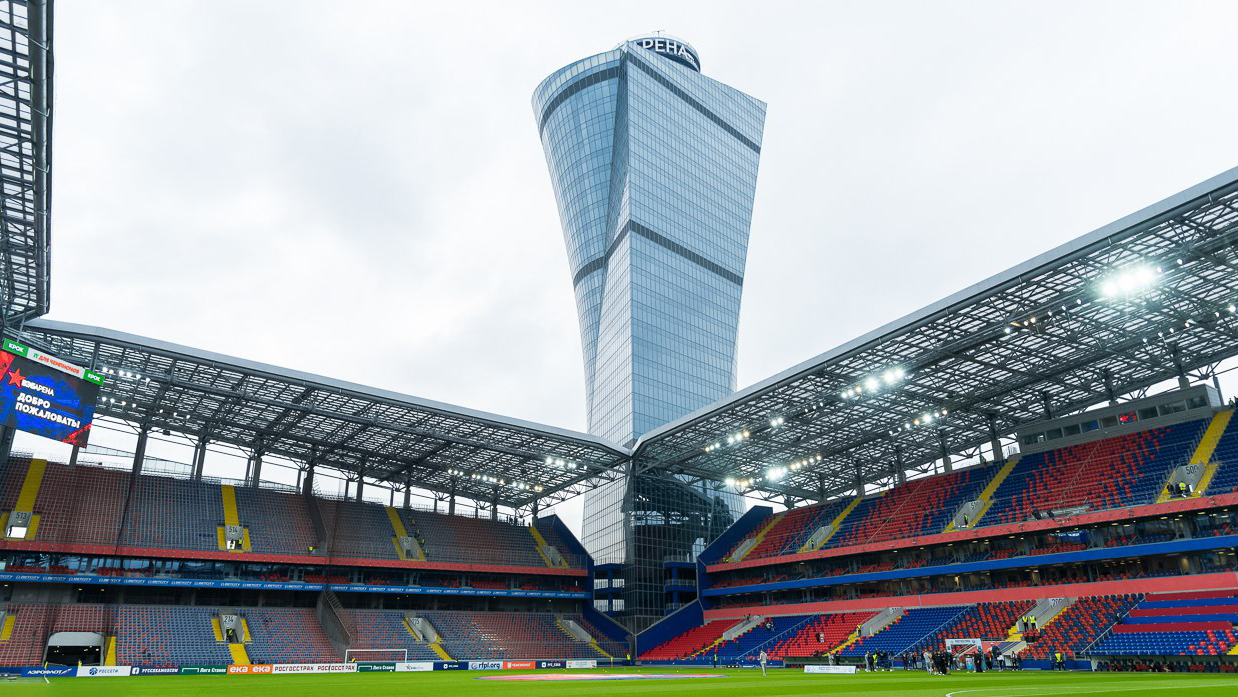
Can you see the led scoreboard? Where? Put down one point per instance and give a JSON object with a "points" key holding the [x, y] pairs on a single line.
{"points": [[46, 396]]}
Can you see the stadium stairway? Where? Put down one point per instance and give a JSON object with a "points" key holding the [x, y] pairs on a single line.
{"points": [[239, 656], [1203, 455], [109, 651], [227, 493], [754, 542], [397, 526], [542, 546], [26, 498], [834, 525], [1045, 611], [986, 496]]}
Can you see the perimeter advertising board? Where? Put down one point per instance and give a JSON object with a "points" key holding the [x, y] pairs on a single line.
{"points": [[103, 672], [831, 670], [46, 396]]}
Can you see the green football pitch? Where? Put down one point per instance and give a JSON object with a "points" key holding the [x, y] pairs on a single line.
{"points": [[737, 683]]}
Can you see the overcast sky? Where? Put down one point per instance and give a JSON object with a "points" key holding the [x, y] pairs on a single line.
{"points": [[260, 178]]}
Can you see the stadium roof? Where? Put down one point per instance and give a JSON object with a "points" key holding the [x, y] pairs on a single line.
{"points": [[1133, 304], [390, 436], [25, 158], [1128, 306]]}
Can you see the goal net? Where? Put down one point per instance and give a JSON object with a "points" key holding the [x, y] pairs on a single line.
{"points": [[371, 655]]}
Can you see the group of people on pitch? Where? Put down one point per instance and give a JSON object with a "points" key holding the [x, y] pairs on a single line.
{"points": [[878, 660]]}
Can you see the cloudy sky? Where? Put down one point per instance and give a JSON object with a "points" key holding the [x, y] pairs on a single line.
{"points": [[257, 178]]}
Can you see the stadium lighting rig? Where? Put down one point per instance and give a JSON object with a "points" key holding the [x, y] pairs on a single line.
{"points": [[552, 461], [890, 377], [491, 479], [1130, 282], [732, 439]]}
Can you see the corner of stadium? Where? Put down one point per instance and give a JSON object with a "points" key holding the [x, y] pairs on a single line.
{"points": [[1025, 488]]}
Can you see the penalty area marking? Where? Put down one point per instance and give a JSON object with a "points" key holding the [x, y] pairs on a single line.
{"points": [[555, 677]]}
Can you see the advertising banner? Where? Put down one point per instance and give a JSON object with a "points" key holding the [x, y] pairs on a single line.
{"points": [[313, 668], [835, 670], [450, 665], [204, 670], [103, 672], [154, 670], [255, 669], [551, 664], [590, 663], [45, 396], [519, 665], [414, 667], [50, 672], [485, 665], [373, 667]]}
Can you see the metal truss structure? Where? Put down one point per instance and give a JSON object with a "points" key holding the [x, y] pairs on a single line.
{"points": [[25, 158], [387, 437], [1138, 302]]}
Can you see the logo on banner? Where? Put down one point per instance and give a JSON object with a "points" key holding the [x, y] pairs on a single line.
{"points": [[317, 668], [255, 669], [204, 670], [591, 663], [414, 667], [519, 665], [834, 670], [103, 671], [48, 672], [139, 670], [485, 665]]}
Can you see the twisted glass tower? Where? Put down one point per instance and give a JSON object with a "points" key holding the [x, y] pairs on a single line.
{"points": [[654, 168]]}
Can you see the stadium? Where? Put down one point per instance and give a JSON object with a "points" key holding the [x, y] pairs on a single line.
{"points": [[1031, 481]]}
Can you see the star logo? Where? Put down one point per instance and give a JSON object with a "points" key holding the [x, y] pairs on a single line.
{"points": [[15, 378]]}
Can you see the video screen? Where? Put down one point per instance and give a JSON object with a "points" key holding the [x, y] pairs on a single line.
{"points": [[44, 400]]}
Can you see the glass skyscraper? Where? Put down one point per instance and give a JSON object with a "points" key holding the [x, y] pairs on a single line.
{"points": [[654, 168]]}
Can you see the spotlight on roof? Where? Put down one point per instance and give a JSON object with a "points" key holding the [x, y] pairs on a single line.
{"points": [[1128, 282]]}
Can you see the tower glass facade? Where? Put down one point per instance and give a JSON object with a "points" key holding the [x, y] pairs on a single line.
{"points": [[654, 169]]}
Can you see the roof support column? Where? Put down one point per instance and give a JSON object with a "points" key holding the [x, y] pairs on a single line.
{"points": [[945, 450], [494, 504], [859, 477], [139, 452], [73, 455], [534, 508], [408, 495], [1107, 376], [451, 498], [199, 458], [307, 486], [900, 472], [1046, 404], [995, 443], [1176, 353], [360, 479], [255, 467]]}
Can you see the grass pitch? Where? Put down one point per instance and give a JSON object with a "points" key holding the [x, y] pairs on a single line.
{"points": [[738, 683]]}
